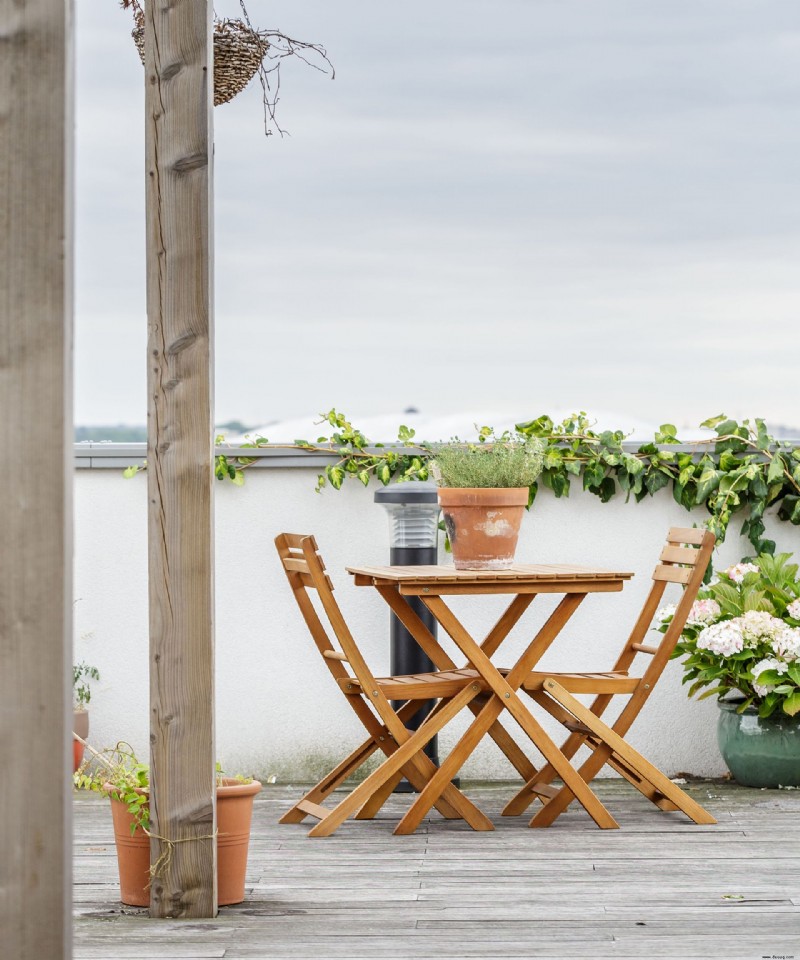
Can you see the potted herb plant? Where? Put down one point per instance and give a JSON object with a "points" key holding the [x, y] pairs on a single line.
{"points": [[126, 780], [741, 643], [82, 675], [484, 488]]}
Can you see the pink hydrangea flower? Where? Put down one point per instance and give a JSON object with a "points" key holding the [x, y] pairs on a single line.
{"points": [[724, 638], [703, 612], [738, 570]]}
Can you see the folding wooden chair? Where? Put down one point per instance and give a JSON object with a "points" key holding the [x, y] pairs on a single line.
{"points": [[370, 699], [683, 560]]}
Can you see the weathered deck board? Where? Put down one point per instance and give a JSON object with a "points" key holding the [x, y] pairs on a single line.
{"points": [[658, 887]]}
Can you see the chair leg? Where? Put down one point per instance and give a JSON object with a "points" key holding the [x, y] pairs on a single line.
{"points": [[409, 750], [310, 804], [450, 767], [539, 786], [613, 744], [329, 783], [414, 773], [370, 809], [643, 786], [615, 762]]}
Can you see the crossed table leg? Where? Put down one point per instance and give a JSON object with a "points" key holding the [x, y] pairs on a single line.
{"points": [[504, 697]]}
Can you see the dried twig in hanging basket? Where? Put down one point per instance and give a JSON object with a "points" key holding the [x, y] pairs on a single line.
{"points": [[240, 51]]}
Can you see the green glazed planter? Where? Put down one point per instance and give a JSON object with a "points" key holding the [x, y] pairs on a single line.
{"points": [[759, 752]]}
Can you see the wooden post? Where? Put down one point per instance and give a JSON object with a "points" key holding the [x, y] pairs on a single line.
{"points": [[36, 493], [178, 106]]}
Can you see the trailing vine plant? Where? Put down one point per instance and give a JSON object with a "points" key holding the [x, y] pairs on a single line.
{"points": [[741, 470]]}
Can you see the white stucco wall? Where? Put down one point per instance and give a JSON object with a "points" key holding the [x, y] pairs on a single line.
{"points": [[278, 712]]}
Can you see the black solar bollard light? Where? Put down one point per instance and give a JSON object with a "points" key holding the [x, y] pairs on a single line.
{"points": [[413, 510]]}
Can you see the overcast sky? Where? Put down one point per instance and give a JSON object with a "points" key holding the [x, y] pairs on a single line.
{"points": [[525, 205]]}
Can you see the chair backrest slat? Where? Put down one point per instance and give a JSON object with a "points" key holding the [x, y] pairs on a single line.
{"points": [[680, 535], [672, 574], [294, 541], [672, 554]]}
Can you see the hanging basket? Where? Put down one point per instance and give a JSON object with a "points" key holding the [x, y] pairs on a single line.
{"points": [[241, 52], [238, 53]]}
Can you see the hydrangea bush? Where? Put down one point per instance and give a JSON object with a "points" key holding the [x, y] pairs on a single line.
{"points": [[742, 636]]}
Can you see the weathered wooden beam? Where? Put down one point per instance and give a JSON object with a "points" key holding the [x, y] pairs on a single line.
{"points": [[36, 512], [178, 106]]}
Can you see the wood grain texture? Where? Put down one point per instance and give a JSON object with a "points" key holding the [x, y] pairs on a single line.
{"points": [[178, 63], [553, 572], [662, 887], [36, 415]]}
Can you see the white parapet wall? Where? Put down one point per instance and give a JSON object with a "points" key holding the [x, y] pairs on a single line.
{"points": [[278, 711]]}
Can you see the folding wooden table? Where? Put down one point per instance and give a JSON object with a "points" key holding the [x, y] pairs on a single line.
{"points": [[523, 582]]}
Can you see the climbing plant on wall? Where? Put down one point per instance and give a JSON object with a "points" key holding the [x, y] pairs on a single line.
{"points": [[740, 470]]}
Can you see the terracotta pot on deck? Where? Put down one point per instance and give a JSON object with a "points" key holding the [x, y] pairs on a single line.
{"points": [[80, 725], [234, 814], [483, 524]]}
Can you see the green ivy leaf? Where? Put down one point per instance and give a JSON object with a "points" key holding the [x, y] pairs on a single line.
{"points": [[667, 433], [541, 427], [655, 480], [790, 509], [335, 476], [553, 458], [712, 422], [722, 427]]}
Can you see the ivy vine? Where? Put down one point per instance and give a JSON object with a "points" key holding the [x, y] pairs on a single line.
{"points": [[741, 470]]}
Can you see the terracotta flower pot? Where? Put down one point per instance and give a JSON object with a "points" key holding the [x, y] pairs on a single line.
{"points": [[80, 724], [234, 814], [483, 524]]}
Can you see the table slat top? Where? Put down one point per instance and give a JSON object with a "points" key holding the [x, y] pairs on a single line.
{"points": [[529, 572]]}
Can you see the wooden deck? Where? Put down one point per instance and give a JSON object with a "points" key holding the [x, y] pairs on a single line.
{"points": [[659, 887]]}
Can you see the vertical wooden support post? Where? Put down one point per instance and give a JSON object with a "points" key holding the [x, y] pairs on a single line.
{"points": [[36, 495], [179, 145]]}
